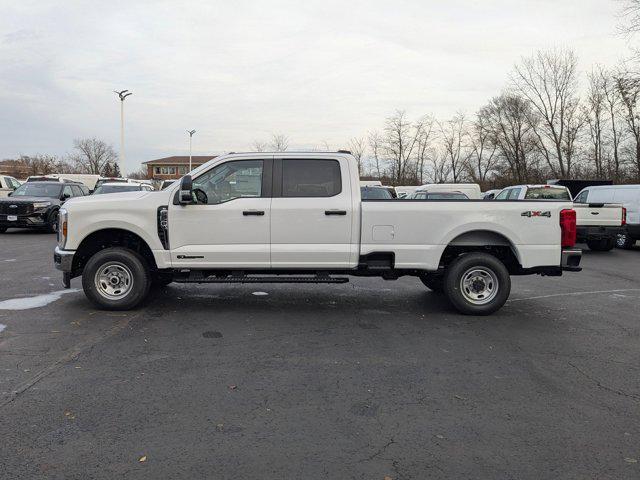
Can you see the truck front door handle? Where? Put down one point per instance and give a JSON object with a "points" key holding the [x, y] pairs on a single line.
{"points": [[257, 213], [335, 212]]}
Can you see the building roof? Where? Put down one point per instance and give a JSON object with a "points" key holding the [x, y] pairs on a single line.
{"points": [[180, 160]]}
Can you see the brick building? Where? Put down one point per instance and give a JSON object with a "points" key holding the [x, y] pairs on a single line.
{"points": [[171, 168]]}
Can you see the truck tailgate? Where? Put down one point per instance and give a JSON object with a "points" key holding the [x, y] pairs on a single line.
{"points": [[598, 214]]}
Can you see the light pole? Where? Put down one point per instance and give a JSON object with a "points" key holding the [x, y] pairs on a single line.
{"points": [[122, 94], [190, 132]]}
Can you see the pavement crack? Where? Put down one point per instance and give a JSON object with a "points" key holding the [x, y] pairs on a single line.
{"points": [[72, 355], [380, 451], [600, 385]]}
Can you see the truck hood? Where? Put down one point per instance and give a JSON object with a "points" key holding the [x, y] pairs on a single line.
{"points": [[123, 197], [53, 201]]}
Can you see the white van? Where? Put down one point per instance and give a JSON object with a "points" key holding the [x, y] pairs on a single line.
{"points": [[471, 190], [628, 196]]}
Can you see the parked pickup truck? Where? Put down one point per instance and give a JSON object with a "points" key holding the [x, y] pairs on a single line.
{"points": [[299, 218], [598, 224]]}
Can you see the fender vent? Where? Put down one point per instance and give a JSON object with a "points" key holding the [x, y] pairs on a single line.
{"points": [[163, 226]]}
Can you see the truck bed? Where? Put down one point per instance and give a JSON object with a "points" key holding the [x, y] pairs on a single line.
{"points": [[418, 231]]}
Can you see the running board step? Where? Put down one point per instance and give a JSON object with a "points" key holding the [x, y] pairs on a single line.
{"points": [[261, 279]]}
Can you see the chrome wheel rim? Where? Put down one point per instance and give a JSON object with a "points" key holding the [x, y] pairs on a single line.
{"points": [[114, 280], [621, 239], [479, 285]]}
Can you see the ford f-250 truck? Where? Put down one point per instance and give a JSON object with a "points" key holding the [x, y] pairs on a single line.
{"points": [[299, 217]]}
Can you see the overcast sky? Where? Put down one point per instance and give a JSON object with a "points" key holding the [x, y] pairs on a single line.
{"points": [[317, 71]]}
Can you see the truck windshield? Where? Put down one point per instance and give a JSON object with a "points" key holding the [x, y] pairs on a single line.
{"points": [[116, 188], [547, 193], [36, 189]]}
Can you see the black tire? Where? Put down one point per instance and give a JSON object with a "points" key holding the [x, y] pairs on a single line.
{"points": [[121, 263], [623, 240], [489, 271], [52, 222], [433, 282], [601, 245]]}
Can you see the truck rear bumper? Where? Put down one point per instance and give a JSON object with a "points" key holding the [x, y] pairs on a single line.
{"points": [[596, 233], [570, 259]]}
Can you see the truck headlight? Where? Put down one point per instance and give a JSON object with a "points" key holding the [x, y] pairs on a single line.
{"points": [[62, 227], [39, 205]]}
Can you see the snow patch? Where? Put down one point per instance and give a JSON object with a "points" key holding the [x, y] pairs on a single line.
{"points": [[2, 327], [259, 294], [10, 260], [34, 302]]}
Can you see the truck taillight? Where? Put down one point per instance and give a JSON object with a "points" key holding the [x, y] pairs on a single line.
{"points": [[567, 228], [624, 217]]}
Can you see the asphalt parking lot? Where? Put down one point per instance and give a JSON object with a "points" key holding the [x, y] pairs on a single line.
{"points": [[366, 380]]}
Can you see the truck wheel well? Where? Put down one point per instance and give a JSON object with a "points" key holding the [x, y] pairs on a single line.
{"points": [[110, 237], [482, 241]]}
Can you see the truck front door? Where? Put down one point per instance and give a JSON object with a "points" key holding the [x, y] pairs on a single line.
{"points": [[228, 225], [312, 214]]}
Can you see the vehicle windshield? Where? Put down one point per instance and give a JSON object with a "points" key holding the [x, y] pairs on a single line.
{"points": [[437, 196], [36, 189], [373, 193], [547, 193], [446, 196], [125, 187]]}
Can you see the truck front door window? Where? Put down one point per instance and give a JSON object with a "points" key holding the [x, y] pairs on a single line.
{"points": [[229, 181]]}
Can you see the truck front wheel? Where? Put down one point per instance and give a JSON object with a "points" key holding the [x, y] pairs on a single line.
{"points": [[477, 284], [116, 279]]}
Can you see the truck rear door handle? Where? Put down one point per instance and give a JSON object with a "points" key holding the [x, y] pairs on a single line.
{"points": [[257, 213], [335, 212]]}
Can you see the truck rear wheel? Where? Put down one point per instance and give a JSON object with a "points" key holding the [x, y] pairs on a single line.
{"points": [[116, 279], [601, 245], [477, 284]]}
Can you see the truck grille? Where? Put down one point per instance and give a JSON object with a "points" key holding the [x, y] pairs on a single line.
{"points": [[9, 208]]}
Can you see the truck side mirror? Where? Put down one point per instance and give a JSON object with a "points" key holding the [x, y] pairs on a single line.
{"points": [[184, 194]]}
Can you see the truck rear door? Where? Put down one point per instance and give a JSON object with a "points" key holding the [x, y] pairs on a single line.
{"points": [[312, 214]]}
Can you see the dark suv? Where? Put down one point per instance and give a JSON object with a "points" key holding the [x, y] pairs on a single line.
{"points": [[36, 204]]}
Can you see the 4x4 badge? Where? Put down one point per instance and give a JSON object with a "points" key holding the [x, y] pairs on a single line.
{"points": [[536, 213]]}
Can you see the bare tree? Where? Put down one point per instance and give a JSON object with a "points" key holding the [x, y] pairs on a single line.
{"points": [[375, 143], [614, 105], [596, 118], [629, 89], [93, 155], [483, 150], [548, 80], [279, 142], [140, 174], [453, 136], [631, 13], [259, 146], [425, 133], [358, 147], [399, 143], [508, 121]]}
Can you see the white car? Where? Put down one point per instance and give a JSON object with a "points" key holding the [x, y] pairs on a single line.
{"points": [[121, 187], [629, 197], [7, 185], [598, 224], [298, 218]]}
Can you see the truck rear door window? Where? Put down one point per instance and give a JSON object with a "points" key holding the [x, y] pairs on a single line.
{"points": [[311, 178]]}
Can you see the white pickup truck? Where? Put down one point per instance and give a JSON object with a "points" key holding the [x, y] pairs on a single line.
{"points": [[299, 217], [598, 224]]}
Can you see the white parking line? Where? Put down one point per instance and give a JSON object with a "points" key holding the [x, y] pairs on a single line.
{"points": [[574, 293], [34, 302]]}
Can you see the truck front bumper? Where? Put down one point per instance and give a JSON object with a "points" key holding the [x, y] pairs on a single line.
{"points": [[63, 260], [570, 259]]}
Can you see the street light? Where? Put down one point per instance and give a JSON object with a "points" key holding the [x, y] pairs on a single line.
{"points": [[190, 132], [122, 94]]}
